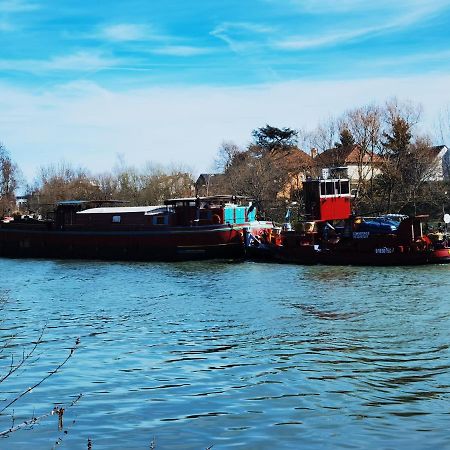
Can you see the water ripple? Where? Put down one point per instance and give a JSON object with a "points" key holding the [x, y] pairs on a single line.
{"points": [[230, 355]]}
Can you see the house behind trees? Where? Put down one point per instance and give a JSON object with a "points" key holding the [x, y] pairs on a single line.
{"points": [[361, 165], [441, 155], [211, 184], [298, 166]]}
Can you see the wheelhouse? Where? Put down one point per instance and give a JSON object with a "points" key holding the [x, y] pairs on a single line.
{"points": [[327, 199], [220, 209]]}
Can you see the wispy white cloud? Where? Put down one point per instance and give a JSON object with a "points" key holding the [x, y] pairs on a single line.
{"points": [[243, 26], [333, 6], [409, 60], [81, 61], [15, 6], [8, 10], [363, 19], [363, 6], [181, 50], [126, 32], [77, 62], [418, 11], [121, 33], [305, 42], [6, 26], [241, 36]]}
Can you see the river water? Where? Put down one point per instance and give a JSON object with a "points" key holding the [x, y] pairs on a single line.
{"points": [[226, 354]]}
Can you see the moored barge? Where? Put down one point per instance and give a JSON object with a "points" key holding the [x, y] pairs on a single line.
{"points": [[182, 228]]}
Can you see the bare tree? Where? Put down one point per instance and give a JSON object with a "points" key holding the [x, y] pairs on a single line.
{"points": [[159, 183], [324, 136], [130, 185], [365, 124], [260, 173], [108, 185], [19, 359], [410, 112], [226, 155], [258, 177], [420, 168], [9, 179], [410, 171], [62, 181]]}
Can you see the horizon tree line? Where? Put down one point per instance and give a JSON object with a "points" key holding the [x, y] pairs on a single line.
{"points": [[271, 168]]}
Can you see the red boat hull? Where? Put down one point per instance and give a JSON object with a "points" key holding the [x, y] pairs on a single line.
{"points": [[373, 259], [441, 256], [172, 243], [307, 255]]}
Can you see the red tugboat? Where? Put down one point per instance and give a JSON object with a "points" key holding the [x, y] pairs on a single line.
{"points": [[441, 243], [332, 235], [183, 228]]}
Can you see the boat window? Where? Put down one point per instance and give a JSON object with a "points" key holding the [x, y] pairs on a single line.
{"points": [[345, 187], [229, 214], [330, 188], [116, 219], [159, 220], [322, 188]]}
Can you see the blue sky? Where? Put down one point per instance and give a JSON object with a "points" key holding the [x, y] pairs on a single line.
{"points": [[168, 81]]}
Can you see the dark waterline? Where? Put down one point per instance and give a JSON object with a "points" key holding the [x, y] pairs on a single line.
{"points": [[234, 355]]}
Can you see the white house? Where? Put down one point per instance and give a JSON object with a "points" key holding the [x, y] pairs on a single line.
{"points": [[442, 157]]}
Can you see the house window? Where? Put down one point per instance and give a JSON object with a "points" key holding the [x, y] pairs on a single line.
{"points": [[116, 219]]}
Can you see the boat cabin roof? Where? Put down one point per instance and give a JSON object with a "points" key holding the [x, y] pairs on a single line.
{"points": [[210, 199], [72, 202], [93, 202], [147, 210]]}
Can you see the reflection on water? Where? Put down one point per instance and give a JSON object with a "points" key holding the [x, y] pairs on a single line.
{"points": [[228, 354], [327, 315], [327, 274]]}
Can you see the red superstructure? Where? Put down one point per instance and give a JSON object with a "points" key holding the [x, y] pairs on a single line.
{"points": [[327, 199], [332, 235]]}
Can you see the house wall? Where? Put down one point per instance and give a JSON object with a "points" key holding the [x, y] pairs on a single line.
{"points": [[294, 184], [438, 169], [445, 164], [441, 171], [366, 171]]}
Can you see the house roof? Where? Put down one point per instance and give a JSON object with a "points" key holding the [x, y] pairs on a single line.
{"points": [[293, 159], [437, 149], [206, 178], [351, 155]]}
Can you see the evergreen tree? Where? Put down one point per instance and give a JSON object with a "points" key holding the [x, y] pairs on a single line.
{"points": [[398, 140], [346, 139], [270, 139]]}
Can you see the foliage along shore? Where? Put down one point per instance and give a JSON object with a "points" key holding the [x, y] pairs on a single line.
{"points": [[397, 170]]}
